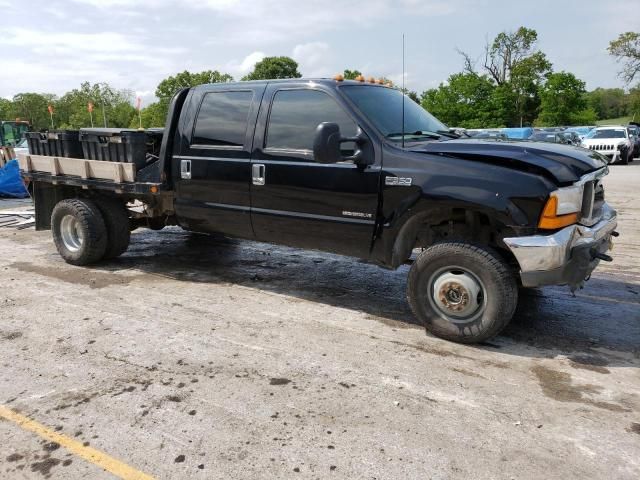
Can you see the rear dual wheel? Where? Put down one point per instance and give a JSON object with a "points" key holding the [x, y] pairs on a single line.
{"points": [[462, 292], [87, 231]]}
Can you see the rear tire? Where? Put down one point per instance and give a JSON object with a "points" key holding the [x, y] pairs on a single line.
{"points": [[79, 231], [462, 292], [116, 219]]}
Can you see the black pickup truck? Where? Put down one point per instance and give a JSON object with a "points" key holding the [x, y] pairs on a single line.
{"points": [[352, 168]]}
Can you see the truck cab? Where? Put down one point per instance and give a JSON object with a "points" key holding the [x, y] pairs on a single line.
{"points": [[357, 168]]}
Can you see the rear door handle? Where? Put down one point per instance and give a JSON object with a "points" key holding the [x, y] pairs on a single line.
{"points": [[257, 174], [185, 169]]}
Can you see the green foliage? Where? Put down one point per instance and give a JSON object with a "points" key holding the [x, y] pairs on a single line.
{"points": [[351, 74], [154, 115], [614, 121], [7, 110], [110, 104], [467, 100], [412, 95], [518, 70], [608, 102], [274, 67], [33, 108], [563, 101], [626, 49], [633, 107], [168, 87]]}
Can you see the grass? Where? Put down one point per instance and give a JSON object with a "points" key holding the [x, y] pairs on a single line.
{"points": [[615, 121]]}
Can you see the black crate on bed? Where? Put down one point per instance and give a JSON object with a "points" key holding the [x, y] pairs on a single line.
{"points": [[115, 145], [55, 143]]}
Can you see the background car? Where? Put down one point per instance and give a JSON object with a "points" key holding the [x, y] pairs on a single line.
{"points": [[571, 138], [612, 141], [544, 136], [581, 131], [493, 134], [634, 134], [518, 133]]}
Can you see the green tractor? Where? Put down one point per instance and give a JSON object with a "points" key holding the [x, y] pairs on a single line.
{"points": [[12, 132]]}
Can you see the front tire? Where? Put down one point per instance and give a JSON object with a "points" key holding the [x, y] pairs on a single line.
{"points": [[79, 231], [462, 292]]}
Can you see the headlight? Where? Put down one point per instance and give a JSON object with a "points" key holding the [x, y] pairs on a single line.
{"points": [[562, 208]]}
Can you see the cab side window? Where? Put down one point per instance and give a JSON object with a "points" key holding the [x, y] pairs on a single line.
{"points": [[222, 119], [295, 115]]}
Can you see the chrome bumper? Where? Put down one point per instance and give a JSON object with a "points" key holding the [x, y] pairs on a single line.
{"points": [[552, 259]]}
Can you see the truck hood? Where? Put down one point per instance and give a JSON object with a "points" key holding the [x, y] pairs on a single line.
{"points": [[564, 164]]}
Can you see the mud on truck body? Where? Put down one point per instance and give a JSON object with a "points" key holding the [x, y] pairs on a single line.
{"points": [[337, 166]]}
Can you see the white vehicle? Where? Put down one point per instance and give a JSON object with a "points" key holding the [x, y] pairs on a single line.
{"points": [[612, 142]]}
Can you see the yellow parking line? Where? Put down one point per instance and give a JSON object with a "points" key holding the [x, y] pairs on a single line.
{"points": [[92, 455]]}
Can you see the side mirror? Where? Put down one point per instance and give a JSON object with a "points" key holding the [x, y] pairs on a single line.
{"points": [[326, 145]]}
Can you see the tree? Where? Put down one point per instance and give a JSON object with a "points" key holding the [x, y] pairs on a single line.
{"points": [[274, 67], [168, 87], [111, 107], [563, 102], [153, 115], [608, 102], [351, 74], [411, 94], [518, 70], [466, 100], [7, 112], [626, 49], [33, 108], [633, 107]]}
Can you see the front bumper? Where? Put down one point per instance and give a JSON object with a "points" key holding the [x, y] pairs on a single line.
{"points": [[566, 257]]}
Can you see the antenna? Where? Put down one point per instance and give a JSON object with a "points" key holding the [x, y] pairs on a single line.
{"points": [[403, 90]]}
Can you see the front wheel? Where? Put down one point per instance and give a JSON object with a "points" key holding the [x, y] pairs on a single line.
{"points": [[462, 292]]}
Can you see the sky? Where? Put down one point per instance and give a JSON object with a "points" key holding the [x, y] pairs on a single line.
{"points": [[51, 46]]}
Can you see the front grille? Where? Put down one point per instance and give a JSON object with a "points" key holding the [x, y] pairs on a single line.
{"points": [[592, 202], [601, 146]]}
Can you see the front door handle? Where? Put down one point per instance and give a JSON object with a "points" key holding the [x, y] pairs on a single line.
{"points": [[257, 174]]}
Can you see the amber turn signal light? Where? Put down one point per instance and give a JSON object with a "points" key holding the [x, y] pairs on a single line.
{"points": [[549, 220]]}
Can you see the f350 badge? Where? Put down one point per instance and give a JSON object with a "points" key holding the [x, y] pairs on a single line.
{"points": [[398, 181]]}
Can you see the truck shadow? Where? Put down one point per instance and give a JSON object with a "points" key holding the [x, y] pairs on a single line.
{"points": [[548, 322]]}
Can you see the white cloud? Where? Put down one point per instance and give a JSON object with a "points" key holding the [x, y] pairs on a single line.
{"points": [[239, 69], [59, 42], [135, 44], [314, 59]]}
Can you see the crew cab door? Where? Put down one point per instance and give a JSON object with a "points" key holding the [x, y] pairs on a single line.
{"points": [[294, 199], [212, 171]]}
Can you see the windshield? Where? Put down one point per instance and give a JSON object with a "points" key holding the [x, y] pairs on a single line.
{"points": [[608, 133], [383, 107]]}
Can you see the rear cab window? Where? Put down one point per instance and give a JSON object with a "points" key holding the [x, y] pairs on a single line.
{"points": [[222, 120]]}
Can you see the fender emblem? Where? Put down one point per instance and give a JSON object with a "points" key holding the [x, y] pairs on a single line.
{"points": [[400, 181], [357, 214]]}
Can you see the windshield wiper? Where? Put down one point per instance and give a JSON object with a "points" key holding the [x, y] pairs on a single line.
{"points": [[418, 133], [449, 134]]}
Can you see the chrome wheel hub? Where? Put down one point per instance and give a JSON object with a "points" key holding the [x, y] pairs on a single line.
{"points": [[457, 294], [71, 233]]}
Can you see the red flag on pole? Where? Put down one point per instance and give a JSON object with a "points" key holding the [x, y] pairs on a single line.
{"points": [[138, 103], [90, 107], [50, 110]]}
